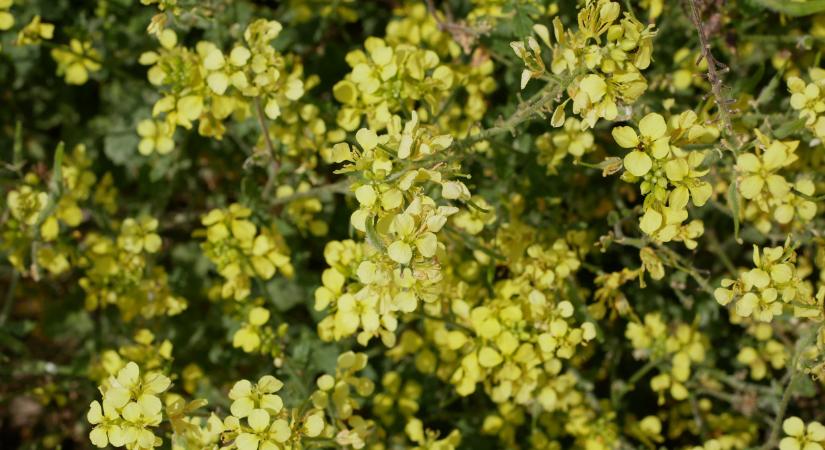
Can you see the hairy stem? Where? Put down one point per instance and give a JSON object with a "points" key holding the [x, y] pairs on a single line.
{"points": [[713, 76], [535, 104]]}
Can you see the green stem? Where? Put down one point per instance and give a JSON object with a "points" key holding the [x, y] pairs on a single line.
{"points": [[780, 414], [259, 114], [523, 113], [623, 389], [15, 276], [793, 374]]}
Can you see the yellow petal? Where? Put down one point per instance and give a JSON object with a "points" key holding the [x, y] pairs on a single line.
{"points": [[400, 252], [751, 186], [258, 419], [489, 357], [650, 222], [626, 137], [653, 126], [366, 138], [638, 163]]}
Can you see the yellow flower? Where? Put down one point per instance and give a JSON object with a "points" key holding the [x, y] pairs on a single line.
{"points": [[260, 397], [155, 136], [263, 434], [6, 18], [139, 235], [76, 61], [26, 204], [653, 141], [130, 409], [34, 32], [801, 437], [806, 98], [759, 172], [248, 337], [106, 426]]}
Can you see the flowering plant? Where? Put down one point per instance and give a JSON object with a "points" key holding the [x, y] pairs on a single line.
{"points": [[480, 224]]}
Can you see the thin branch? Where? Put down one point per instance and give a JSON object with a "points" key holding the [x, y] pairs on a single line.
{"points": [[535, 104], [259, 113], [714, 76], [7, 304], [622, 389], [464, 35], [792, 375]]}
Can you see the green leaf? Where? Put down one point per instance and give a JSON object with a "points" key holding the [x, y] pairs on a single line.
{"points": [[56, 181], [791, 8], [55, 188], [733, 203], [286, 293], [789, 128], [522, 25], [769, 91], [122, 149], [372, 236], [17, 157], [803, 386]]}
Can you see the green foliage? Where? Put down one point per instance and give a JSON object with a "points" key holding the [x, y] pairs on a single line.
{"points": [[481, 224]]}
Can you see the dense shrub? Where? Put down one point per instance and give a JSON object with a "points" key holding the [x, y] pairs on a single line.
{"points": [[480, 224]]}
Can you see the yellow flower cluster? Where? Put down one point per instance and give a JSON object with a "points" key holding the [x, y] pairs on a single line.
{"points": [[259, 405], [415, 25], [399, 265], [572, 139], [34, 32], [801, 436], [514, 344], [304, 135], [399, 397], [765, 353], [259, 419], [250, 75], [118, 272], [762, 292], [769, 196], [254, 336], [604, 74], [675, 351], [809, 100], [131, 408], [473, 220], [426, 439], [76, 60], [37, 213], [669, 177], [689, 72], [473, 80], [302, 212], [241, 251], [149, 353], [387, 79]]}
